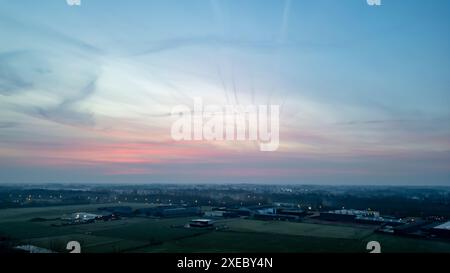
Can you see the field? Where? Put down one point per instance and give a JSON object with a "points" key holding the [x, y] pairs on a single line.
{"points": [[169, 235]]}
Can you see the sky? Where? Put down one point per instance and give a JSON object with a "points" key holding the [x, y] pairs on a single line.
{"points": [[86, 91]]}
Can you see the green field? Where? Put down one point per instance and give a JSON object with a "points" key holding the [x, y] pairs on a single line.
{"points": [[300, 229], [169, 235]]}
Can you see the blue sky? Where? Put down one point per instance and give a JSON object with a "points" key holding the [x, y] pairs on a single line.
{"points": [[364, 91]]}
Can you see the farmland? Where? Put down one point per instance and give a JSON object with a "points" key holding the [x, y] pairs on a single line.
{"points": [[140, 234]]}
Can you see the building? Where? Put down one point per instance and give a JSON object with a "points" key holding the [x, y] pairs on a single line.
{"points": [[267, 210], [412, 229], [240, 212], [341, 215], [285, 205], [147, 211], [275, 217], [33, 249], [179, 212], [119, 211], [295, 212], [214, 213], [360, 216], [441, 230], [81, 217], [201, 223], [423, 228], [168, 211], [347, 214], [221, 214], [379, 220]]}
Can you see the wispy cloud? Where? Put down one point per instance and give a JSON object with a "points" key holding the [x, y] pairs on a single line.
{"points": [[6, 125], [13, 80]]}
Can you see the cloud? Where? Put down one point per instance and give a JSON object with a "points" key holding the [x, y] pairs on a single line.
{"points": [[367, 122], [6, 125], [31, 51], [27, 74], [66, 112], [285, 20], [215, 40], [13, 70], [35, 30]]}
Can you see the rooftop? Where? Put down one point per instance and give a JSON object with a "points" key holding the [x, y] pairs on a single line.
{"points": [[445, 225], [201, 220]]}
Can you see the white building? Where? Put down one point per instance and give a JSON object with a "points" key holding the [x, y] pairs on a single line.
{"points": [[34, 249], [81, 217]]}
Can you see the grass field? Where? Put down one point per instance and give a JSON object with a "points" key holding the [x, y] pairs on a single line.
{"points": [[300, 229], [168, 235]]}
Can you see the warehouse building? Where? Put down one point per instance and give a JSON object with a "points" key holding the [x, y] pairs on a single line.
{"points": [[441, 230], [81, 217], [119, 210], [345, 214], [275, 217], [201, 223], [379, 220], [295, 212], [412, 229], [360, 216], [178, 212]]}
